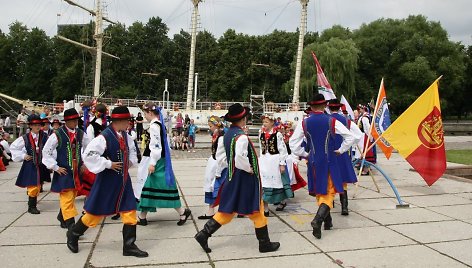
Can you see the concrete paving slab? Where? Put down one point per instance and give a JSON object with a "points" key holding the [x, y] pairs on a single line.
{"points": [[191, 183], [416, 191], [359, 238], [404, 256], [40, 235], [302, 222], [193, 192], [436, 200], [407, 215], [15, 206], [194, 200], [435, 231], [307, 260], [164, 251], [246, 246], [13, 196], [372, 204], [364, 193], [465, 195], [297, 208], [46, 218], [175, 265], [153, 231], [44, 256], [461, 212], [459, 250], [244, 226], [9, 187], [7, 218]]}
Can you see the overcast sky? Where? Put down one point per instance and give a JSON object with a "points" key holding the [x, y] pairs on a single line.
{"points": [[247, 16]]}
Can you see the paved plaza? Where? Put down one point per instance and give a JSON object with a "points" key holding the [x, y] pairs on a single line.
{"points": [[435, 231]]}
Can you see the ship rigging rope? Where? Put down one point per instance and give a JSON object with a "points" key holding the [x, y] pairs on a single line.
{"points": [[179, 6], [278, 16]]}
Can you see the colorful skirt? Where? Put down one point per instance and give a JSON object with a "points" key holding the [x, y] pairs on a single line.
{"points": [[156, 193], [210, 197], [273, 195]]}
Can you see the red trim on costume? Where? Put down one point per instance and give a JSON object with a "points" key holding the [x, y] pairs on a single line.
{"points": [[71, 117], [237, 115], [120, 116], [317, 102], [35, 121]]}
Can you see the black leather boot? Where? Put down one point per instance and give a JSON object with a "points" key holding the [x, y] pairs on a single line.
{"points": [[316, 223], [73, 235], [60, 218], [344, 202], [202, 237], [70, 223], [32, 201], [265, 245], [328, 222], [129, 247]]}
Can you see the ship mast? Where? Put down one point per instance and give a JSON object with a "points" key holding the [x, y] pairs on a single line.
{"points": [[303, 20], [191, 69], [98, 36]]}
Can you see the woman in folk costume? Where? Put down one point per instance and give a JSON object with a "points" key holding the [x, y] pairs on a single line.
{"points": [[364, 125], [46, 128], [110, 155], [94, 128], [214, 176], [324, 176], [28, 148], [241, 193], [61, 153], [160, 189], [345, 163], [273, 153], [296, 180], [55, 124]]}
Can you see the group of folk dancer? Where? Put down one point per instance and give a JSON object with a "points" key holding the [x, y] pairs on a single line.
{"points": [[96, 162]]}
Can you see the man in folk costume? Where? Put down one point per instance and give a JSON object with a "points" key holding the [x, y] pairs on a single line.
{"points": [[159, 189], [110, 155], [324, 176], [28, 148], [345, 164], [62, 155], [241, 193], [364, 125]]}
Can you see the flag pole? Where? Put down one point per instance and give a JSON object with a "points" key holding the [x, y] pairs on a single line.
{"points": [[364, 153]]}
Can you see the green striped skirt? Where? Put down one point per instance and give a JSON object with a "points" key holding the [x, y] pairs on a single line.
{"points": [[276, 195], [156, 193]]}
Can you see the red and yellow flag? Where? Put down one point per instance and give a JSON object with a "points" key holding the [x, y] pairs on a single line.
{"points": [[419, 137], [381, 121]]}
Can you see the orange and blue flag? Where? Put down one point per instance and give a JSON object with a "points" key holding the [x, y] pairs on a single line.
{"points": [[381, 121]]}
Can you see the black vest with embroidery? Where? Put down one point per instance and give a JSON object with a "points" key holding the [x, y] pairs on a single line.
{"points": [[269, 145], [147, 151], [214, 143], [97, 128]]}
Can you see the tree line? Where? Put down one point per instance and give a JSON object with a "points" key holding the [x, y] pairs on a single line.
{"points": [[409, 53]]}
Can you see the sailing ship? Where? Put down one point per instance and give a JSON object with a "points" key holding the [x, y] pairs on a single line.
{"points": [[199, 111]]}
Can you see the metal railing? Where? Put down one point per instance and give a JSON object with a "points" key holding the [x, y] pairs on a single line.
{"points": [[269, 107]]}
